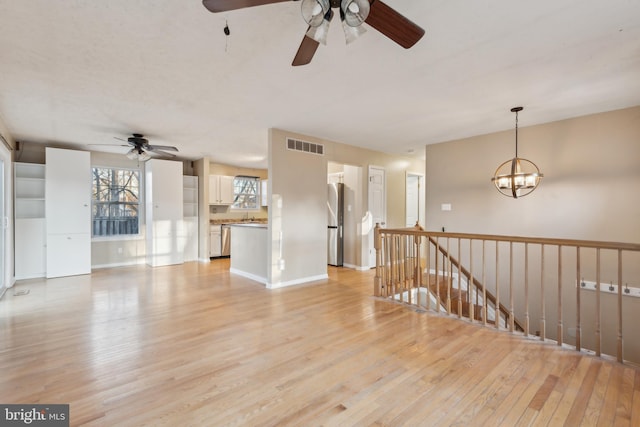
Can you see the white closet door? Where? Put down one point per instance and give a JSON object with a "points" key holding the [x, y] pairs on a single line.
{"points": [[164, 212], [68, 212]]}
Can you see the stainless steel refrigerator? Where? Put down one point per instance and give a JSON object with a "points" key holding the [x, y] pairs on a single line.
{"points": [[335, 205]]}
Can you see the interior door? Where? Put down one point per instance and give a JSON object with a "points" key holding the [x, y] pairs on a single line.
{"points": [[414, 213], [377, 205]]}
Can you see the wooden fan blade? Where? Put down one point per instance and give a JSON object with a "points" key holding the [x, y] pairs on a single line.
{"points": [[226, 5], [393, 25], [161, 148], [307, 48], [160, 154], [305, 53]]}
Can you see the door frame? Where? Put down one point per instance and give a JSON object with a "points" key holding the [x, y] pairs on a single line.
{"points": [[372, 253], [421, 197]]}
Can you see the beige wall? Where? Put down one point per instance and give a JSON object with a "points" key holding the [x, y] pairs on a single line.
{"points": [[590, 191], [299, 181]]}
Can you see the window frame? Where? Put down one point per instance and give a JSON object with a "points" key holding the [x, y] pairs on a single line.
{"points": [[139, 209], [257, 194]]}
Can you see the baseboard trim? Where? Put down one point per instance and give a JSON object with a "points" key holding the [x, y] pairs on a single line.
{"points": [[31, 276], [297, 281], [118, 264], [254, 277], [357, 267]]}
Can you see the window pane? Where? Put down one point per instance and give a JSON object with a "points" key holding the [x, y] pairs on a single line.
{"points": [[115, 201], [246, 192]]}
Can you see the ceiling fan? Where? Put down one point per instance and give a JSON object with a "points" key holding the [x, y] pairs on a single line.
{"points": [[141, 149], [353, 13]]}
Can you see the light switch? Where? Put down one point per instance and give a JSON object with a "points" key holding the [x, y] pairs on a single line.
{"points": [[445, 206]]}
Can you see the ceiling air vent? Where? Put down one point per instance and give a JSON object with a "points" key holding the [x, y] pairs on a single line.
{"points": [[305, 147]]}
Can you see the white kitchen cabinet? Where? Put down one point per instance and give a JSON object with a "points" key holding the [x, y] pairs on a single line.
{"points": [[215, 240], [30, 248], [189, 233], [164, 209], [67, 212], [220, 190], [29, 228]]}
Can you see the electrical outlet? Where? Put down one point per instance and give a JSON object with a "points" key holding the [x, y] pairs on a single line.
{"points": [[608, 287]]}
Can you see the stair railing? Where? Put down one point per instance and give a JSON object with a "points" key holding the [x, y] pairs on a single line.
{"points": [[533, 277]]}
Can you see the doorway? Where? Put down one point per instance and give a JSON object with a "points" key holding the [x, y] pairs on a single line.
{"points": [[377, 205], [414, 211]]}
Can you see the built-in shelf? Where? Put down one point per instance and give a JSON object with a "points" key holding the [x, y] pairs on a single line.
{"points": [[190, 196], [29, 184], [190, 217], [29, 211]]}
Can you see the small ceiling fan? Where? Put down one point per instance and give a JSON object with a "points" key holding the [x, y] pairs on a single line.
{"points": [[353, 13], [141, 149]]}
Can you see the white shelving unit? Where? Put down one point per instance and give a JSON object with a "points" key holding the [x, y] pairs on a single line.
{"points": [[190, 196], [29, 190], [30, 229], [190, 217]]}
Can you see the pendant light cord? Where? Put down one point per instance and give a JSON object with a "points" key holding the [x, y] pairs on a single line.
{"points": [[516, 134]]}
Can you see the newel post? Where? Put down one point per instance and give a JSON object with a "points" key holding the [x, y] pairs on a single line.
{"points": [[417, 274], [378, 286]]}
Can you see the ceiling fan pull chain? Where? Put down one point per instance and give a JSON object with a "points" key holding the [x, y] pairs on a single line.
{"points": [[227, 32]]}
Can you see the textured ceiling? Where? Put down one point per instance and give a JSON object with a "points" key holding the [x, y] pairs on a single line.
{"points": [[84, 71]]}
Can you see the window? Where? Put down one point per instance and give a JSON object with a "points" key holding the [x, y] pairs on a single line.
{"points": [[246, 192], [115, 201]]}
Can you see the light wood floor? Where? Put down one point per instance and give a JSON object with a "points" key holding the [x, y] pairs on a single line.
{"points": [[194, 345]]}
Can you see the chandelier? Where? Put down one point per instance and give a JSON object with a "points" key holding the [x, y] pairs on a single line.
{"points": [[517, 177]]}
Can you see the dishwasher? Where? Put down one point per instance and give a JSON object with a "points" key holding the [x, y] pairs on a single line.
{"points": [[225, 241]]}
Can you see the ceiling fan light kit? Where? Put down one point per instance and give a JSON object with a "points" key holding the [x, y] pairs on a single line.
{"points": [[352, 33], [517, 177], [314, 11], [353, 13], [138, 154]]}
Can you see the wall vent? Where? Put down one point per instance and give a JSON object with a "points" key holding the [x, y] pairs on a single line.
{"points": [[305, 147]]}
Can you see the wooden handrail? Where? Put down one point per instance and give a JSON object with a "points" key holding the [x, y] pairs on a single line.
{"points": [[594, 244]]}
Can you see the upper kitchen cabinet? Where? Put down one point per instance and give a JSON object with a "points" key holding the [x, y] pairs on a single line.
{"points": [[220, 190], [164, 210], [68, 212]]}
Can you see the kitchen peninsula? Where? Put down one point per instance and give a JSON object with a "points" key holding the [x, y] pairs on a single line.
{"points": [[249, 251]]}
